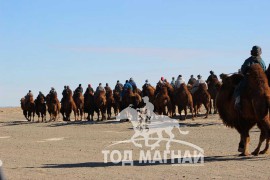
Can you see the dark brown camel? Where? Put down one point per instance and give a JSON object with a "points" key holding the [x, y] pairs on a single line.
{"points": [[53, 105], [89, 105], [201, 96], [110, 103], [100, 104], [255, 103], [183, 100], [79, 101], [117, 102], [41, 108], [68, 105], [212, 89]]}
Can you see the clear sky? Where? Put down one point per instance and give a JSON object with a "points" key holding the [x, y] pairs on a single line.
{"points": [[49, 43]]}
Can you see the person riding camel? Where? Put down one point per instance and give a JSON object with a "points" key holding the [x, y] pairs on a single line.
{"points": [[89, 89], [211, 76], [64, 93], [126, 87], [197, 84], [107, 87], [118, 87], [52, 91], [179, 81], [28, 95], [133, 84], [173, 82], [159, 85], [40, 94], [192, 80], [255, 58], [79, 89], [99, 89], [146, 84]]}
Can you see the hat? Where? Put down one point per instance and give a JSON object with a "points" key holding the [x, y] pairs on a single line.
{"points": [[256, 50]]}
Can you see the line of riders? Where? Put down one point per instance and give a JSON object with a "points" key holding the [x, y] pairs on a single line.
{"points": [[242, 99], [118, 99], [165, 96]]}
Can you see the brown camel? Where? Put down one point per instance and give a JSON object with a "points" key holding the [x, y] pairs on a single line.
{"points": [[117, 102], [162, 101], [79, 101], [53, 105], [110, 103], [131, 98], [201, 96], [28, 107], [100, 104], [68, 105], [41, 108], [255, 103], [89, 105], [150, 92], [212, 89], [172, 97], [183, 99]]}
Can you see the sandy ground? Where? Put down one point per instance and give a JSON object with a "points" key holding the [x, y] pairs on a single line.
{"points": [[61, 150]]}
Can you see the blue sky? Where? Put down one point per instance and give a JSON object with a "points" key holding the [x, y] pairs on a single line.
{"points": [[56, 43]]}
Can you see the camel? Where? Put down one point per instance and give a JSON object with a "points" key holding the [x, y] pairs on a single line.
{"points": [[117, 102], [28, 107], [100, 104], [131, 98], [255, 103], [183, 99], [150, 92], [89, 105], [41, 108], [68, 105], [53, 105], [79, 101], [213, 89], [110, 103], [162, 101], [201, 96]]}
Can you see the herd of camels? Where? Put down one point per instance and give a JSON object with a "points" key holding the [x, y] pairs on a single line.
{"points": [[255, 104]]}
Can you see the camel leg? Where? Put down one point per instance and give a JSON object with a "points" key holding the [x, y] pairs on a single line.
{"points": [[179, 111], [210, 108], [185, 113], [265, 151], [256, 151], [215, 106], [191, 110], [206, 105], [246, 139]]}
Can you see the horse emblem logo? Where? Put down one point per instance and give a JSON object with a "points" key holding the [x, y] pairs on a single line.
{"points": [[146, 124]]}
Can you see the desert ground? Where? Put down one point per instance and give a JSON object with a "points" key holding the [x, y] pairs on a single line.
{"points": [[73, 150]]}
